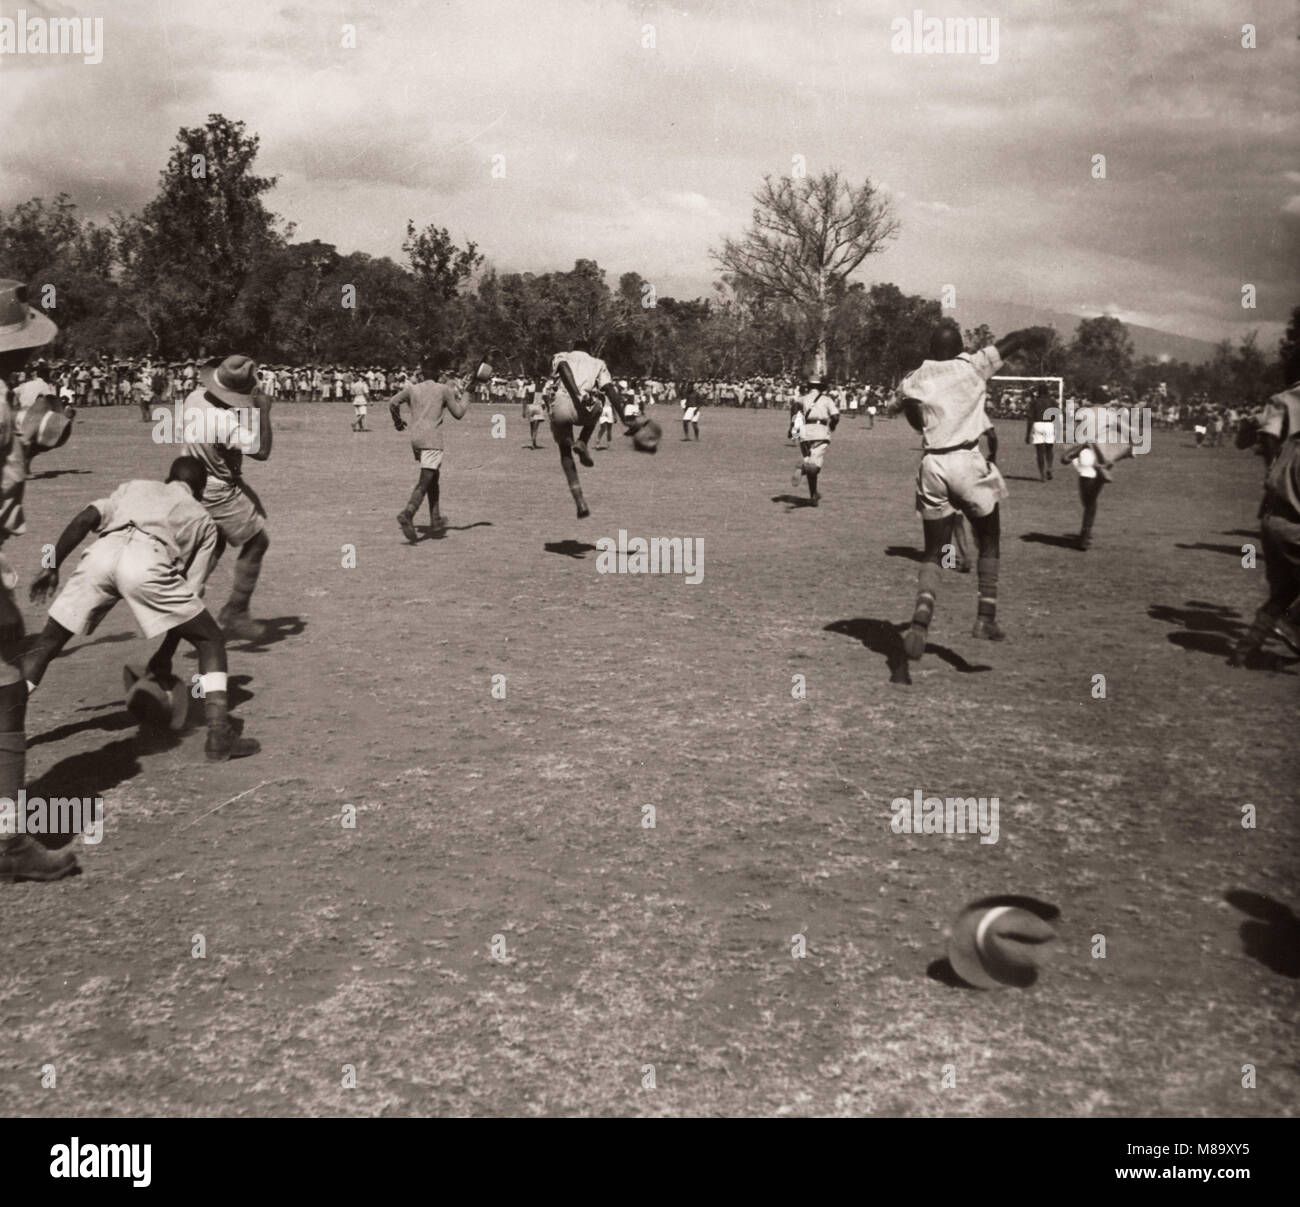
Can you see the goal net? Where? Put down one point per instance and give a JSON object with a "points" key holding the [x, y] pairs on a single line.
{"points": [[1011, 395]]}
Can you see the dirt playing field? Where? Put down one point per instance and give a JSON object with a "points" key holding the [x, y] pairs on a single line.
{"points": [[335, 954]]}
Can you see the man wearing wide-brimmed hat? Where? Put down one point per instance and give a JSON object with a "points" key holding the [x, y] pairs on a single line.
{"points": [[22, 328], [820, 418], [224, 419]]}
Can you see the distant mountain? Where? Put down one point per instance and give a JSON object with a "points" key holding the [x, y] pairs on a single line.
{"points": [[1009, 316]]}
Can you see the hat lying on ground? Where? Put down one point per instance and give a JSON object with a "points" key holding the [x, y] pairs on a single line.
{"points": [[994, 946]]}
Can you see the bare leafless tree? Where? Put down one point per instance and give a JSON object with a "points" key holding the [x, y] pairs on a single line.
{"points": [[807, 236]]}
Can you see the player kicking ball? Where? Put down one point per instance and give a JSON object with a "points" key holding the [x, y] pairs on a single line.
{"points": [[580, 382], [944, 401]]}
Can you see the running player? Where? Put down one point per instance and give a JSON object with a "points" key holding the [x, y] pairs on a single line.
{"points": [[944, 401], [605, 428], [156, 546], [534, 409], [820, 418], [1041, 431], [690, 413], [360, 397], [426, 402], [1094, 460]]}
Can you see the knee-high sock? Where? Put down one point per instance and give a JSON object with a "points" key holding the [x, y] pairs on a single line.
{"points": [[216, 708], [432, 491], [247, 570], [927, 588], [570, 472], [417, 497], [987, 569]]}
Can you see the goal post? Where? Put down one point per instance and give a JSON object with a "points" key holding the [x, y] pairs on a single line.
{"points": [[1024, 387]]}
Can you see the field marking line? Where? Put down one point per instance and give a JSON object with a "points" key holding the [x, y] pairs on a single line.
{"points": [[240, 796]]}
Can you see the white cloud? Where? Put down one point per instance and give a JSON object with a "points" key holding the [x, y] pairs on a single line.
{"points": [[643, 158]]}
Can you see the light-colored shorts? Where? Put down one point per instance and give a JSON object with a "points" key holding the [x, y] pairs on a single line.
{"points": [[429, 458], [536, 412], [1043, 432], [233, 511], [564, 414], [814, 453], [691, 415], [359, 407], [127, 565], [962, 480]]}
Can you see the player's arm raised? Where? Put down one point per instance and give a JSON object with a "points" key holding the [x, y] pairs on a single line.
{"points": [[457, 401], [1027, 338]]}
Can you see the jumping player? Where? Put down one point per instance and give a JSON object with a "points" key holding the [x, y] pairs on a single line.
{"points": [[944, 401], [580, 380], [426, 400], [156, 546]]}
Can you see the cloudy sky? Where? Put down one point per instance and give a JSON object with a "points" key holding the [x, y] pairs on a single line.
{"points": [[635, 133]]}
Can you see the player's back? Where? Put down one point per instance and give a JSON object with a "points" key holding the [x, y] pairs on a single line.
{"points": [[589, 372], [952, 395]]}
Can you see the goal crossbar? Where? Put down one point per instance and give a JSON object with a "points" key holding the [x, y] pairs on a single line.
{"points": [[1057, 382]]}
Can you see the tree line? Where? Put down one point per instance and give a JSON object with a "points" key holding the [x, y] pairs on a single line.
{"points": [[206, 267]]}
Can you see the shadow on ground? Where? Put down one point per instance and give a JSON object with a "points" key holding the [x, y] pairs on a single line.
{"points": [[277, 629], [1231, 550], [1272, 936], [1052, 538], [96, 772], [885, 638], [574, 549]]}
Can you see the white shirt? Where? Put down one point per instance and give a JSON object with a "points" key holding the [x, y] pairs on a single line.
{"points": [[952, 396], [589, 372]]}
